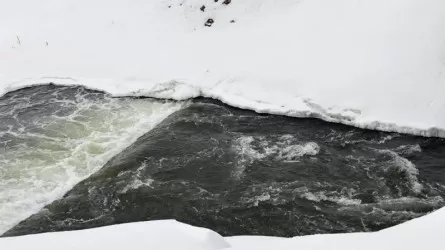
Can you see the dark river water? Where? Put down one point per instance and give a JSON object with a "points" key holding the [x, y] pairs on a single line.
{"points": [[238, 172]]}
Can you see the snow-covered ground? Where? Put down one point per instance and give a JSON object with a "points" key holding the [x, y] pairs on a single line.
{"points": [[421, 233], [369, 63]]}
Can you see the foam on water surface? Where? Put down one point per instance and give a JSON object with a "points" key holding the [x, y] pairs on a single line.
{"points": [[53, 137], [284, 148], [405, 166]]}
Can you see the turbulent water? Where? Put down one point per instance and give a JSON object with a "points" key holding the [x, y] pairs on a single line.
{"points": [[207, 164], [53, 137]]}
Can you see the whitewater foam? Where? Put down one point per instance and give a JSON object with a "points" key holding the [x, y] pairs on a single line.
{"points": [[279, 148], [340, 198], [408, 149], [47, 155], [404, 166], [138, 181]]}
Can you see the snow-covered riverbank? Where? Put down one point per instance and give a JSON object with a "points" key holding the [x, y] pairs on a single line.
{"points": [[425, 232], [373, 64]]}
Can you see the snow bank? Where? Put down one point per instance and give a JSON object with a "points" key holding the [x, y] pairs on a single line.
{"points": [[168, 234], [375, 64], [425, 232]]}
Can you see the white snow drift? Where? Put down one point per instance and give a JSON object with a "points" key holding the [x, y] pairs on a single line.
{"points": [[369, 63], [422, 233]]}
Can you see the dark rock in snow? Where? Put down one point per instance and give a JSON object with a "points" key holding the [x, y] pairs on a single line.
{"points": [[209, 22]]}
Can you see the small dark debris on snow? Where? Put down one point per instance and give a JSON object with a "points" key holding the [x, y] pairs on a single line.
{"points": [[216, 1], [203, 8], [232, 21], [227, 2], [169, 6], [209, 22]]}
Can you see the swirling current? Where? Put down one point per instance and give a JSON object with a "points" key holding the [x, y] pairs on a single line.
{"points": [[73, 158]]}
